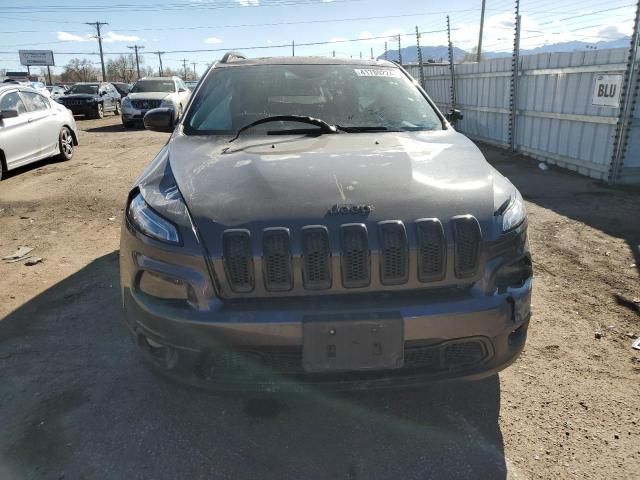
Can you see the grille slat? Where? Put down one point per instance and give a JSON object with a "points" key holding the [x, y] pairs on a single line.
{"points": [[467, 252], [356, 262], [277, 260], [316, 258], [431, 250], [282, 263], [394, 253], [238, 260]]}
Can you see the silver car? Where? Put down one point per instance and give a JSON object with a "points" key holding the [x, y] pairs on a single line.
{"points": [[33, 127], [154, 92]]}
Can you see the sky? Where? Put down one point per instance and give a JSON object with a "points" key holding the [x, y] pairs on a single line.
{"points": [[201, 31]]}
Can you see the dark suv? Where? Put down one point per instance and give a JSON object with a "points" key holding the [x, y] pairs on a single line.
{"points": [[91, 99], [319, 221]]}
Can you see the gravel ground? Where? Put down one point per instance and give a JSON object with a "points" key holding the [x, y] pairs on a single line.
{"points": [[75, 402]]}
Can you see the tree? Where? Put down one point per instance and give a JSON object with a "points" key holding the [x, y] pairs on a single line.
{"points": [[122, 68], [79, 70]]}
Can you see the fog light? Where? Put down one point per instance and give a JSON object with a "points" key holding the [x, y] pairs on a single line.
{"points": [[514, 274], [163, 286]]}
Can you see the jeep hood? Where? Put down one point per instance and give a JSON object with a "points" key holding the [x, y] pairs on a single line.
{"points": [[264, 181]]}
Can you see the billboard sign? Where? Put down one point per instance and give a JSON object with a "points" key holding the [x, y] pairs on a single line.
{"points": [[41, 58]]}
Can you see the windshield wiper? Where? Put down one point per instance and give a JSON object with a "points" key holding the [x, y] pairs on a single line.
{"points": [[324, 126], [378, 128]]}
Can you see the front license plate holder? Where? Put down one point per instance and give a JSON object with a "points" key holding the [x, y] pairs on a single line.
{"points": [[352, 344]]}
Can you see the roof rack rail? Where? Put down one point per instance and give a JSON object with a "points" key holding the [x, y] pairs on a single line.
{"points": [[230, 56]]}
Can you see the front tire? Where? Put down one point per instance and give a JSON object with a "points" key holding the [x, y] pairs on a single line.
{"points": [[117, 109], [65, 142], [99, 113]]}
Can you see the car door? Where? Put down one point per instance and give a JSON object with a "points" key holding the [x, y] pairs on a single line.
{"points": [[19, 135], [47, 122]]}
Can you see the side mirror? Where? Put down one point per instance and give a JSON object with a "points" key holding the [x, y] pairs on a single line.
{"points": [[8, 114], [159, 120], [454, 115]]}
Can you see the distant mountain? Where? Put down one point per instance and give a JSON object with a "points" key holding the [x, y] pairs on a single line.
{"points": [[440, 53]]}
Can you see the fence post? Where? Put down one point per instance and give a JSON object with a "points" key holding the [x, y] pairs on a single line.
{"points": [[451, 66], [628, 101], [420, 58], [515, 70]]}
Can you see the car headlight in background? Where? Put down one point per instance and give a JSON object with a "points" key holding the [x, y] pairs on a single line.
{"points": [[515, 213], [150, 223]]}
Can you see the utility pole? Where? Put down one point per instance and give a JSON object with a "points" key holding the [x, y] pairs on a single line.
{"points": [[195, 74], [160, 60], [49, 74], [385, 50], [420, 62], [371, 53], [481, 28], [399, 51], [135, 48], [334, 54], [184, 67], [293, 48], [99, 37], [360, 54]]}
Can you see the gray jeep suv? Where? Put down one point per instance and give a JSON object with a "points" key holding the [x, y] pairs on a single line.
{"points": [[318, 221]]}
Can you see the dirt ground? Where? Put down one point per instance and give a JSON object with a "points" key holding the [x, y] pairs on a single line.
{"points": [[75, 402]]}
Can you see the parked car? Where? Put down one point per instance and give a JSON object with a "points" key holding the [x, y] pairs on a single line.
{"points": [[33, 127], [319, 221], [56, 92], [122, 88], [153, 92], [92, 99], [191, 84]]}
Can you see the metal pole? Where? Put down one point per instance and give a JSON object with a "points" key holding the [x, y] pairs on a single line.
{"points": [[29, 72], [195, 74], [451, 67], [515, 67], [628, 100], [385, 50], [481, 29], [98, 25], [360, 55], [334, 53], [371, 53], [49, 74], [293, 48], [399, 51], [420, 58]]}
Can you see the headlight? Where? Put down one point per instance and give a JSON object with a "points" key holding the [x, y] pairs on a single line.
{"points": [[89, 100], [166, 103], [151, 224], [515, 213]]}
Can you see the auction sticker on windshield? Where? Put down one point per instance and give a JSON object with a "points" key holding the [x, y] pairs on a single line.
{"points": [[377, 72]]}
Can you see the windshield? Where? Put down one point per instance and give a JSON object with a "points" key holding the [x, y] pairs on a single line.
{"points": [[154, 86], [345, 95], [91, 89]]}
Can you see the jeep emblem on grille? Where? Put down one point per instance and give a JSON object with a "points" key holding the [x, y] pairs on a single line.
{"points": [[347, 209]]}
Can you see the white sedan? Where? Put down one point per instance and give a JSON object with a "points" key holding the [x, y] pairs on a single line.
{"points": [[33, 127]]}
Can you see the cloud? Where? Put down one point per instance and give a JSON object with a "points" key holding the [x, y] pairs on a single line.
{"points": [[212, 40], [70, 37], [111, 37], [249, 3]]}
